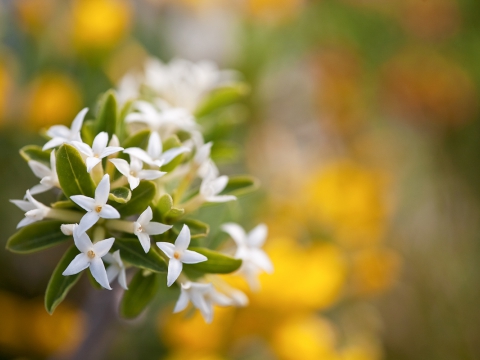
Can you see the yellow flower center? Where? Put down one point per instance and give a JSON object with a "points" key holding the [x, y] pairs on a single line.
{"points": [[91, 254], [98, 208]]}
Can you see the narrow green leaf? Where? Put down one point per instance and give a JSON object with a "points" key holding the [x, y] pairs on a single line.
{"points": [[142, 196], [107, 115], [120, 195], [217, 263], [88, 132], [72, 172], [165, 203], [222, 97], [59, 285], [223, 151], [140, 293], [139, 139], [34, 152], [36, 236], [132, 252], [198, 229], [121, 127], [240, 185]]}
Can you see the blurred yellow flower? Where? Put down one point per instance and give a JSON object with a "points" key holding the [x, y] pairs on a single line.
{"points": [[100, 24], [27, 327], [34, 15], [307, 338], [374, 271], [54, 99], [351, 201], [5, 83], [274, 10]]}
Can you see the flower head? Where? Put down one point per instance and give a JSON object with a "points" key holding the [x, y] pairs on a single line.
{"points": [[179, 255], [98, 151], [134, 171], [211, 186], [144, 227]]}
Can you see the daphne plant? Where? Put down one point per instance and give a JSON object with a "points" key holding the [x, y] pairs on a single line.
{"points": [[129, 180]]}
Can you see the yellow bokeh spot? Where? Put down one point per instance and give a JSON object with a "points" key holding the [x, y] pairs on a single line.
{"points": [[34, 15], [374, 271], [274, 10], [306, 338], [5, 84], [100, 24], [54, 99], [304, 277]]}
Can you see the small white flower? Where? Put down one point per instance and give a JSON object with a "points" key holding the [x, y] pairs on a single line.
{"points": [[116, 268], [61, 134], [144, 227], [96, 208], [154, 156], [98, 151], [90, 256], [179, 255], [203, 297], [67, 229], [128, 88], [211, 186], [134, 171], [254, 259], [35, 210], [206, 166], [48, 175]]}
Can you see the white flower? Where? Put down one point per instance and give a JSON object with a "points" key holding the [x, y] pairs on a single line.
{"points": [[211, 186], [254, 259], [128, 88], [90, 256], [61, 134], [134, 171], [154, 155], [144, 227], [35, 210], [206, 166], [48, 175], [98, 151], [165, 120], [96, 208], [116, 269], [203, 297], [179, 255]]}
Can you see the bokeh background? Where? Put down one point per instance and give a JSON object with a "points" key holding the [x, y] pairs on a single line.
{"points": [[362, 123]]}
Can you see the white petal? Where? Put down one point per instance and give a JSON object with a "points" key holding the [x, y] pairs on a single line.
{"points": [[59, 131], [182, 302], [26, 221], [154, 148], [144, 241], [219, 184], [53, 143], [219, 298], [167, 248], [201, 304], [261, 259], [133, 182], [150, 174], [100, 143], [236, 232], [109, 212], [203, 153], [79, 263], [97, 268], [91, 162], [122, 166], [171, 154], [256, 237], [122, 279], [102, 191], [67, 229], [85, 202], [112, 272], [117, 258], [156, 228], [39, 169], [83, 148], [145, 217], [102, 247], [192, 257], [174, 269], [78, 121], [88, 220], [40, 188], [135, 164], [81, 239], [23, 205], [220, 198], [110, 150], [183, 239], [140, 154]]}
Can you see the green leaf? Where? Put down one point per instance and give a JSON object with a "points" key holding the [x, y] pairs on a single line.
{"points": [[88, 132], [142, 196], [37, 236], [107, 116], [139, 139], [174, 213], [217, 263], [198, 229], [132, 252], [165, 203], [222, 97], [72, 173], [34, 152], [120, 195], [240, 185], [63, 204], [121, 127], [223, 151], [140, 293], [59, 285]]}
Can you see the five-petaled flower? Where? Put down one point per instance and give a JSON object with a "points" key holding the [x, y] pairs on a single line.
{"points": [[134, 171], [98, 151], [90, 256], [116, 268], [144, 227], [96, 208], [179, 255], [61, 134], [211, 187]]}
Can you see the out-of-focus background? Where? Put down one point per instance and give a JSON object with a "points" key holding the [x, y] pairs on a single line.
{"points": [[362, 123]]}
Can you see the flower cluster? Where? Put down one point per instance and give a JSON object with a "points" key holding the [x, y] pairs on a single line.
{"points": [[137, 172]]}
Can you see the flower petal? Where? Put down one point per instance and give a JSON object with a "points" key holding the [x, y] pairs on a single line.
{"points": [[144, 241], [122, 279], [81, 239], [79, 263], [91, 162], [133, 182], [53, 143], [171, 154], [100, 143], [145, 217], [140, 154], [150, 174], [83, 148], [156, 228], [220, 198], [183, 239], [23, 205], [88, 220], [167, 248], [85, 202], [39, 169], [110, 150], [103, 190], [257, 236], [102, 247], [192, 257], [78, 121], [109, 212], [236, 232], [174, 269], [39, 188], [97, 268], [154, 148], [122, 166], [112, 272], [261, 259], [26, 221], [182, 302]]}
